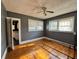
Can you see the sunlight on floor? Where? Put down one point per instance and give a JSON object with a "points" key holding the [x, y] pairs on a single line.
{"points": [[22, 46], [29, 56], [42, 54]]}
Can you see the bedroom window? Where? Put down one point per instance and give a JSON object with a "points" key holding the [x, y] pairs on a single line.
{"points": [[35, 25], [64, 24], [53, 25]]}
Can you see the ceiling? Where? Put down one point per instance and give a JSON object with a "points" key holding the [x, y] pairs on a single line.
{"points": [[28, 7]]}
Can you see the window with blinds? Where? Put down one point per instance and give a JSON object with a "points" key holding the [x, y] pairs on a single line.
{"points": [[53, 25], [64, 24], [35, 25]]}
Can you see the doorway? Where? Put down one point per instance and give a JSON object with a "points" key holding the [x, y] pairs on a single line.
{"points": [[14, 32]]}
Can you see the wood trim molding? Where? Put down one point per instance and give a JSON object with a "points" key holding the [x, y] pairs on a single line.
{"points": [[60, 42], [27, 41]]}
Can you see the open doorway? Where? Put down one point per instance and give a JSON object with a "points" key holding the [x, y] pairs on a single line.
{"points": [[14, 31]]}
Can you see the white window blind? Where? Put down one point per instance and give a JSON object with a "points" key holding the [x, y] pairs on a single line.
{"points": [[53, 25], [35, 25], [64, 24]]}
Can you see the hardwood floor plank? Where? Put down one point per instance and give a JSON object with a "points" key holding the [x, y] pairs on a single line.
{"points": [[41, 49], [67, 51], [56, 53]]}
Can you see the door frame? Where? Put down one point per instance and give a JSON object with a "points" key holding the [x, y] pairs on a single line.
{"points": [[12, 41]]}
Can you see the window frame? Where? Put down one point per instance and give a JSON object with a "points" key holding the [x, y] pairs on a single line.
{"points": [[35, 26], [73, 19], [49, 26]]}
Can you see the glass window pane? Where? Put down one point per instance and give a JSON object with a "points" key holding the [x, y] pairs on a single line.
{"points": [[39, 28], [66, 24], [31, 28], [35, 25], [52, 25], [65, 29]]}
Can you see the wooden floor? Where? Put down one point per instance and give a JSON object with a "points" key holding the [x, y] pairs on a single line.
{"points": [[42, 49]]}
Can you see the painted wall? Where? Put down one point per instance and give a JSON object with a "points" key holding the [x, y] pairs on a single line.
{"points": [[3, 29], [24, 26], [62, 36]]}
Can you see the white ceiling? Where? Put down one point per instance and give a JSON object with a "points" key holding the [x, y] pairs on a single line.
{"points": [[28, 7]]}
